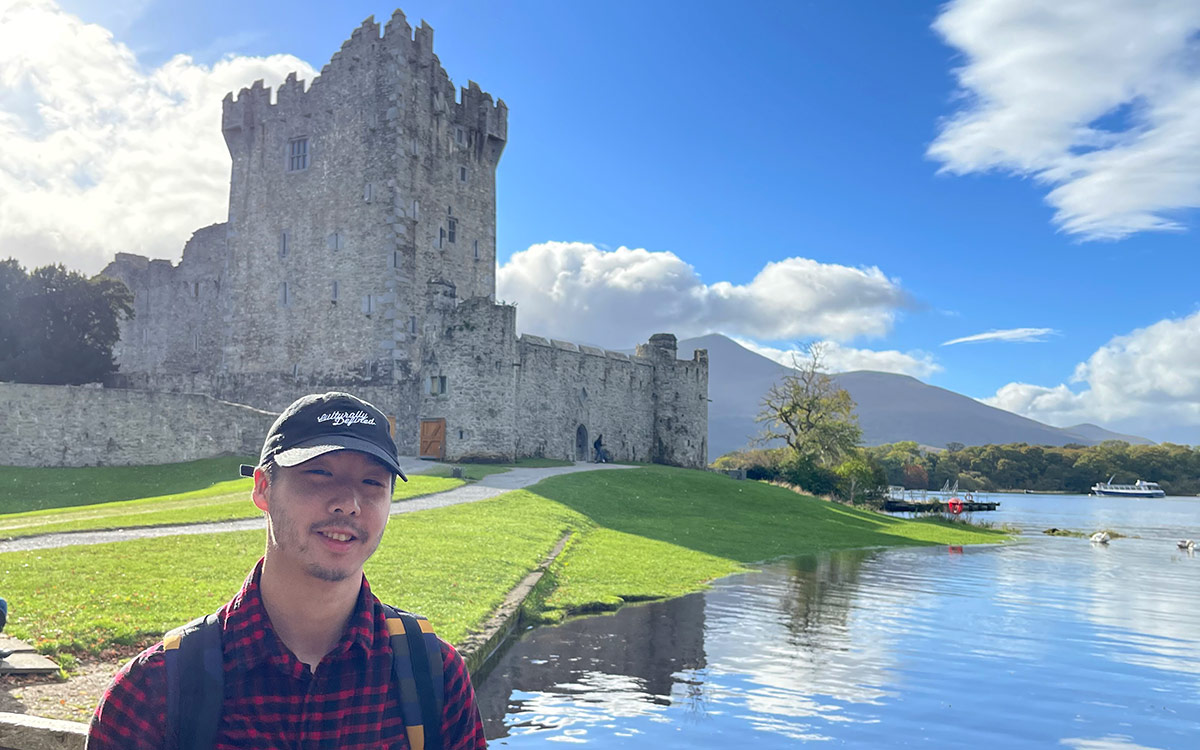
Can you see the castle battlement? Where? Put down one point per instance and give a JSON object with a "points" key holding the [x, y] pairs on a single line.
{"points": [[368, 51]]}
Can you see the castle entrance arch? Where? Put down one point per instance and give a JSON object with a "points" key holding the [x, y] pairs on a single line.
{"points": [[581, 444]]}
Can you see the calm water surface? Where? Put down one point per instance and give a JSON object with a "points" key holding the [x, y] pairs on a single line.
{"points": [[1049, 642]]}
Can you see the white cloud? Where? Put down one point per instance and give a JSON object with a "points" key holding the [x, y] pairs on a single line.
{"points": [[615, 298], [1097, 99], [1008, 334], [838, 358], [1148, 379], [98, 155]]}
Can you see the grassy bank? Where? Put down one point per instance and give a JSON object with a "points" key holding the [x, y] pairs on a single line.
{"points": [[223, 501], [25, 489], [638, 534]]}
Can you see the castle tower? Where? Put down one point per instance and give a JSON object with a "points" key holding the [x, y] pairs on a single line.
{"points": [[346, 198]]}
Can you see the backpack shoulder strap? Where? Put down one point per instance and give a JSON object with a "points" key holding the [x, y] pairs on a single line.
{"points": [[195, 680], [417, 666]]}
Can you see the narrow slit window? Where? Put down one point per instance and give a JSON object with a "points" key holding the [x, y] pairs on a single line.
{"points": [[284, 295], [283, 244], [475, 243], [452, 229], [462, 174], [333, 292]]}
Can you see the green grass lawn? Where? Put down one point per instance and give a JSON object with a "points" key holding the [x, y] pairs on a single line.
{"points": [[24, 489], [223, 501], [638, 534]]}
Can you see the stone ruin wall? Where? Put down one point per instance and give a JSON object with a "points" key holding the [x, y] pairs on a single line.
{"points": [[473, 345], [60, 425], [562, 386], [680, 394], [179, 309]]}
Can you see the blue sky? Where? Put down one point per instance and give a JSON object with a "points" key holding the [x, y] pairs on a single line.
{"points": [[903, 155]]}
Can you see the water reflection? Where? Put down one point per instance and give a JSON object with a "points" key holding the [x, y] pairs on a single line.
{"points": [[1050, 642]]}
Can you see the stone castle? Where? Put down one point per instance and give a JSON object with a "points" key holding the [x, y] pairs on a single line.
{"points": [[360, 254]]}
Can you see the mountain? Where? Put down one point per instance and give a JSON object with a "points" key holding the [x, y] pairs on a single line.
{"points": [[1099, 434], [891, 407]]}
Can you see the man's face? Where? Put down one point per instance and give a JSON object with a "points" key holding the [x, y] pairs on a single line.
{"points": [[327, 515]]}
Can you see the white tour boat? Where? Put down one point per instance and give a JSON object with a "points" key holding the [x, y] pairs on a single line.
{"points": [[1137, 489]]}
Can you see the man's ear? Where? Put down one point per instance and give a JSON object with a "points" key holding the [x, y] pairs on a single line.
{"points": [[262, 483]]}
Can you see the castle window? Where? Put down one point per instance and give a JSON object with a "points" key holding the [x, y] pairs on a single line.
{"points": [[412, 324], [476, 245], [395, 259], [437, 385], [462, 174], [283, 244], [195, 342], [333, 293], [295, 371], [415, 150], [368, 192], [453, 229], [368, 304], [460, 434], [335, 241], [297, 154], [460, 136], [441, 236], [416, 209], [284, 297], [196, 289]]}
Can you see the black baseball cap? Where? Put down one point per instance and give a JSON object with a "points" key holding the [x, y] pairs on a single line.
{"points": [[324, 422]]}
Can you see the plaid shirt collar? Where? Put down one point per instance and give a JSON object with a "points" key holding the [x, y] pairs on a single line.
{"points": [[250, 639]]}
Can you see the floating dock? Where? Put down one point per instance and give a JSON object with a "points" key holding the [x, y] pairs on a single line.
{"points": [[914, 506]]}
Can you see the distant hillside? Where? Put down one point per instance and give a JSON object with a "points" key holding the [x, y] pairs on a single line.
{"points": [[1099, 434], [891, 407]]}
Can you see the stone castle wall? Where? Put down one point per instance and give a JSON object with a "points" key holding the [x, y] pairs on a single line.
{"points": [[57, 425], [563, 387]]}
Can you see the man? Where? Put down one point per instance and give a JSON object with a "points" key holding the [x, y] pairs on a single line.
{"points": [[305, 644]]}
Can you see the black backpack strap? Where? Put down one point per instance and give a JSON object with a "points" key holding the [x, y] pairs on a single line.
{"points": [[195, 679], [417, 666]]}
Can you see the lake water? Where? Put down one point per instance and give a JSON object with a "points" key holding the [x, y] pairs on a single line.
{"points": [[1049, 642]]}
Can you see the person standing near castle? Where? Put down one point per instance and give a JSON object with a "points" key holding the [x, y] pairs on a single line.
{"points": [[306, 648]]}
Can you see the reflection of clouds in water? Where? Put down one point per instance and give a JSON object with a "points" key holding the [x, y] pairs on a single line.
{"points": [[1050, 580], [1104, 743], [801, 643], [1153, 623], [570, 710]]}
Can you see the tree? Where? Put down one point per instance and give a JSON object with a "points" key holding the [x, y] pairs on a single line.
{"points": [[859, 477], [58, 326], [809, 412]]}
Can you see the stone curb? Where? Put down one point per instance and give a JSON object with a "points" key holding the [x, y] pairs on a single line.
{"points": [[23, 732], [479, 647]]}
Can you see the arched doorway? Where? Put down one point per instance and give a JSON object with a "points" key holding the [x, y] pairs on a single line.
{"points": [[581, 444]]}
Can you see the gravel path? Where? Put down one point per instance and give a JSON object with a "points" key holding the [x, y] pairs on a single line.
{"points": [[489, 486]]}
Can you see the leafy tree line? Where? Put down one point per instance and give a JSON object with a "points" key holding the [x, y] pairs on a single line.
{"points": [[58, 326], [1070, 468]]}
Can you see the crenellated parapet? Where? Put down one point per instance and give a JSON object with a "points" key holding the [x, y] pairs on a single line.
{"points": [[398, 51]]}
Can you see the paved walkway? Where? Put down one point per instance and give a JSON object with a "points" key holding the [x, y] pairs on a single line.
{"points": [[489, 486]]}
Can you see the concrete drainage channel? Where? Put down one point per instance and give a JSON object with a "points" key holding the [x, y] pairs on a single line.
{"points": [[24, 732]]}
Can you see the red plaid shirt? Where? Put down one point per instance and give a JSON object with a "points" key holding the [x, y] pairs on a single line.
{"points": [[273, 700]]}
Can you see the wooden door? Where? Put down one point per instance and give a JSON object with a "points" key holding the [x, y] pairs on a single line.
{"points": [[433, 438]]}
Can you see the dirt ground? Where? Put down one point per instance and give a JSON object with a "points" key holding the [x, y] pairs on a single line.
{"points": [[73, 699]]}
